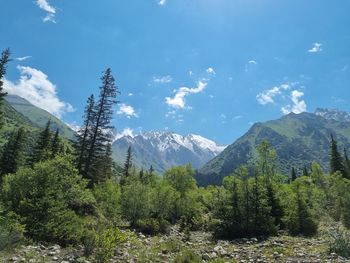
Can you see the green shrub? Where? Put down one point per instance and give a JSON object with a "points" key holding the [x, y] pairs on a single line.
{"points": [[340, 242], [11, 230], [153, 226], [108, 197], [51, 199], [187, 256], [102, 243]]}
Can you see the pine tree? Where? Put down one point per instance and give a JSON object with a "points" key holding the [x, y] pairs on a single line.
{"points": [[85, 134], [347, 164], [42, 149], [336, 161], [56, 146], [105, 165], [12, 156], [101, 134], [4, 60], [306, 171], [293, 174], [127, 165]]}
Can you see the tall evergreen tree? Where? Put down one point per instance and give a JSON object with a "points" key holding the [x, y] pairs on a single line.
{"points": [[105, 167], [293, 174], [42, 149], [336, 161], [85, 134], [127, 165], [4, 60], [347, 164], [306, 171], [12, 155], [101, 134], [56, 146]]}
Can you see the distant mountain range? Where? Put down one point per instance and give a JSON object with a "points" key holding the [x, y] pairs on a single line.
{"points": [[163, 150], [298, 139]]}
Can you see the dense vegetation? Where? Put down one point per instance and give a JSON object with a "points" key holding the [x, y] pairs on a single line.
{"points": [[73, 193]]}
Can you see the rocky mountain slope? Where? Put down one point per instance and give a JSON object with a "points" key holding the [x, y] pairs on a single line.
{"points": [[298, 139], [163, 150]]}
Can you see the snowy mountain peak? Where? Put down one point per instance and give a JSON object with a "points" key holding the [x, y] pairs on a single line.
{"points": [[333, 114], [168, 148]]}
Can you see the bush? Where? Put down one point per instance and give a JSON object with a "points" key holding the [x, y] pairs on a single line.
{"points": [[340, 242], [11, 230], [108, 197], [153, 226], [51, 200], [187, 256], [102, 243]]}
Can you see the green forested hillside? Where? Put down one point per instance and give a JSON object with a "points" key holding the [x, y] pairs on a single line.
{"points": [[298, 140], [38, 116]]}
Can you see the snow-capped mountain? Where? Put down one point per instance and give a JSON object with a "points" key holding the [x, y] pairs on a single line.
{"points": [[333, 114], [166, 149]]}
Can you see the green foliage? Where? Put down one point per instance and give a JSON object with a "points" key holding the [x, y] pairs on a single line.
{"points": [[12, 155], [339, 242], [11, 230], [187, 256], [51, 200], [102, 243], [135, 201], [243, 208], [108, 197], [299, 215], [99, 129], [42, 149], [336, 160]]}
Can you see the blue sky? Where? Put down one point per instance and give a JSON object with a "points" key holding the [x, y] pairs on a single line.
{"points": [[209, 67]]}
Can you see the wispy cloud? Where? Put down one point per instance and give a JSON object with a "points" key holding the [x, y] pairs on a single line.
{"points": [[127, 111], [23, 58], [35, 87], [298, 105], [210, 70], [162, 79], [162, 2], [179, 100], [249, 64], [267, 96], [49, 9], [316, 48]]}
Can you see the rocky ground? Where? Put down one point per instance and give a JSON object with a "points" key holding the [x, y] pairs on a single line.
{"points": [[174, 246]]}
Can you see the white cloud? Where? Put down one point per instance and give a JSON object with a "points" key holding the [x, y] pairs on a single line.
{"points": [[252, 62], [35, 87], [317, 47], [178, 101], [267, 96], [127, 110], [211, 71], [23, 58], [298, 105], [74, 126], [50, 10], [125, 132], [130, 94], [161, 2], [162, 79]]}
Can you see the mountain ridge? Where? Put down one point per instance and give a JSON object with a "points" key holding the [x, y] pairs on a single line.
{"points": [[298, 140], [165, 149]]}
